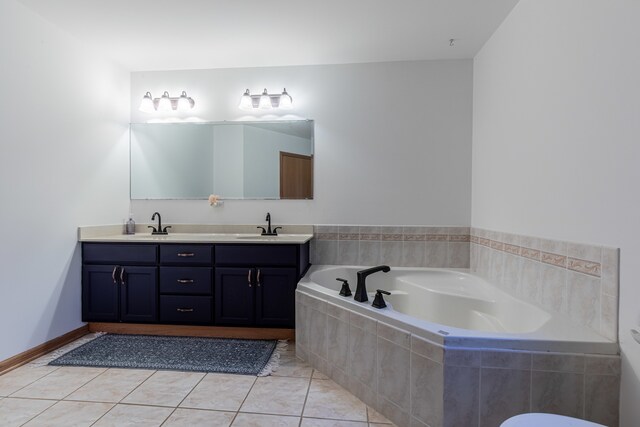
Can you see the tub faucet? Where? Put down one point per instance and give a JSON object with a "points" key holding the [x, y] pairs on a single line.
{"points": [[361, 288]]}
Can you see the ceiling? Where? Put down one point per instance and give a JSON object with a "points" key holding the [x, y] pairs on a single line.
{"points": [[145, 35]]}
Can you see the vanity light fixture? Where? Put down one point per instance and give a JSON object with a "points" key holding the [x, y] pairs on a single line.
{"points": [[149, 104], [265, 101]]}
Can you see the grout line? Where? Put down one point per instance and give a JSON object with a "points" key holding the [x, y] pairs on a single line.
{"points": [[255, 380], [138, 386], [38, 414], [306, 397], [25, 386], [169, 416], [191, 391]]}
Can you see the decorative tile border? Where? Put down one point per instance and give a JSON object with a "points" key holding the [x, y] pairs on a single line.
{"points": [[413, 233], [592, 268], [577, 280], [586, 267], [404, 246]]}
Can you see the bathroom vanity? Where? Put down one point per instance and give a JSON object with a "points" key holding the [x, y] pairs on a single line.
{"points": [[210, 279]]}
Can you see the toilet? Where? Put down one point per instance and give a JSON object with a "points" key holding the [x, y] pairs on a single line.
{"points": [[546, 420]]}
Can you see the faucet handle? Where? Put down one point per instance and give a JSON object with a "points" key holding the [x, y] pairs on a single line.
{"points": [[264, 232], [275, 230], [153, 228], [378, 301], [164, 230], [345, 291]]}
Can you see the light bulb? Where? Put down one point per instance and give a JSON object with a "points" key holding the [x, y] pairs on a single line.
{"points": [[246, 103], [265, 101], [146, 105], [285, 100], [184, 102], [165, 102]]}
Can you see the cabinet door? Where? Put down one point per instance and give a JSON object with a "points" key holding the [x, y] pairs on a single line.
{"points": [[99, 294], [139, 294], [275, 297], [234, 296]]}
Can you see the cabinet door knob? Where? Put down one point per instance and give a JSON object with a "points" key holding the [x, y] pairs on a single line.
{"points": [[185, 281], [258, 278], [186, 254], [122, 275], [185, 310]]}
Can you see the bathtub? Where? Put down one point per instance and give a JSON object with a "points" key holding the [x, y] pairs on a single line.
{"points": [[456, 309]]}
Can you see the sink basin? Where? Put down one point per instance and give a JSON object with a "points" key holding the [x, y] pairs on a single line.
{"points": [[257, 237]]}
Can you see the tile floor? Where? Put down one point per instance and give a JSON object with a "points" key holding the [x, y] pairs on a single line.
{"points": [[295, 396]]}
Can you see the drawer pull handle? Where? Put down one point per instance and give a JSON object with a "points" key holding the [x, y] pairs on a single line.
{"points": [[122, 275], [185, 310], [258, 278], [186, 254], [185, 281], [249, 277]]}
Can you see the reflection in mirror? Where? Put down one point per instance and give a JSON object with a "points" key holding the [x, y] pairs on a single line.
{"points": [[235, 160]]}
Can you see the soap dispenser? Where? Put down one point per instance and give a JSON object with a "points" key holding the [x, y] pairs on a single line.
{"points": [[131, 225]]}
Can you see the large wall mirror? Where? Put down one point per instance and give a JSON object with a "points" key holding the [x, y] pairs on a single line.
{"points": [[235, 160]]}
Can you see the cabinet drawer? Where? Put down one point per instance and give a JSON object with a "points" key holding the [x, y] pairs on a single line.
{"points": [[185, 309], [255, 255], [185, 254], [105, 253], [186, 280]]}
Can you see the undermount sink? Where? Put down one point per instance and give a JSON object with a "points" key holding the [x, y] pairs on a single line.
{"points": [[257, 237]]}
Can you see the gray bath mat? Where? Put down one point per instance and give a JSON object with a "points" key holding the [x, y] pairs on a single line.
{"points": [[223, 355]]}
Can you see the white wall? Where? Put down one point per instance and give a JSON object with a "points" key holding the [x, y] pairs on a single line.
{"points": [[63, 163], [392, 140], [555, 139]]}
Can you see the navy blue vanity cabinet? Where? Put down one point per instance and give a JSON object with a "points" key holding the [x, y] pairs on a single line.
{"points": [[275, 296], [119, 283], [186, 284], [255, 284], [138, 294], [100, 296], [234, 296]]}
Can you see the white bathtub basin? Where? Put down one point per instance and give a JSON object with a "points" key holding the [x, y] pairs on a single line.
{"points": [[463, 309]]}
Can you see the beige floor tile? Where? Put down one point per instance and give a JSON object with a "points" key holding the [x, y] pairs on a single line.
{"points": [[164, 388], [21, 377], [199, 418], [376, 417], [277, 395], [259, 420], [70, 414], [134, 416], [290, 366], [60, 383], [328, 400], [223, 392], [317, 422], [15, 412], [111, 386]]}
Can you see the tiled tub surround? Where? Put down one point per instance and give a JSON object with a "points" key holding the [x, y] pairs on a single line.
{"points": [[402, 246], [415, 380], [577, 280]]}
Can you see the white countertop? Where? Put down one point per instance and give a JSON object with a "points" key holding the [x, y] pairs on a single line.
{"points": [[201, 238], [195, 233]]}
